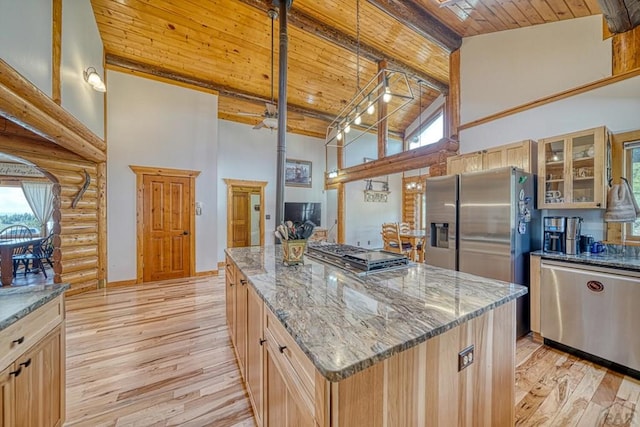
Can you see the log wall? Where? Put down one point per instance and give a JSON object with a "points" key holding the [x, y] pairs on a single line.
{"points": [[76, 230]]}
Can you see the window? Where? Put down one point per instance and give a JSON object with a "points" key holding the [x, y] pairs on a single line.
{"points": [[433, 131], [14, 209], [632, 162]]}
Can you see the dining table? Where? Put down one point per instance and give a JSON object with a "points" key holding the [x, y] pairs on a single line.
{"points": [[6, 256], [414, 237]]}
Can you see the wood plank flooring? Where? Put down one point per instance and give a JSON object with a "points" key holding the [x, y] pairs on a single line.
{"points": [[160, 355]]}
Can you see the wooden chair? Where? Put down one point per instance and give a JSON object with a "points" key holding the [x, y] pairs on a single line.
{"points": [[36, 257], [391, 239], [16, 232], [404, 227], [420, 250]]}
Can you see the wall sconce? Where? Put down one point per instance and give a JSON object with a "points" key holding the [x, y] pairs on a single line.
{"points": [[333, 173], [92, 77]]}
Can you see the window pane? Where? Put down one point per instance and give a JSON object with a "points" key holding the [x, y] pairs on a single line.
{"points": [[432, 133], [634, 180]]}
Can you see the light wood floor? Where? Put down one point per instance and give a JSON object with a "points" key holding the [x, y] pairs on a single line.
{"points": [[160, 355]]}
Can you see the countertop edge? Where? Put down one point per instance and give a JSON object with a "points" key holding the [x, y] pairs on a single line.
{"points": [[335, 376], [59, 289], [607, 261]]}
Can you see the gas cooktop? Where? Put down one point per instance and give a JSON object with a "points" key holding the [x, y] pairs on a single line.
{"points": [[356, 259]]}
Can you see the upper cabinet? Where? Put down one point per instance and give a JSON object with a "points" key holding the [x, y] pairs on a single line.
{"points": [[571, 170], [521, 155]]}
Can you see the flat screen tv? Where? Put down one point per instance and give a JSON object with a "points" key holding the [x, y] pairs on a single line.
{"points": [[300, 212]]}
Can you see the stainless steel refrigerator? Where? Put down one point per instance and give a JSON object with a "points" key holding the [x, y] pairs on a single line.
{"points": [[497, 226]]}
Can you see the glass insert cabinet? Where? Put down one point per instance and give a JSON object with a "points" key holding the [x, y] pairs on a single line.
{"points": [[572, 171]]}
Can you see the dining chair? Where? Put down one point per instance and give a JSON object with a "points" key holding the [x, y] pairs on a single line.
{"points": [[36, 257], [16, 232], [391, 239], [404, 227]]}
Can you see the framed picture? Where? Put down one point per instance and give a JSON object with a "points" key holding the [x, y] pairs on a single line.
{"points": [[297, 173]]}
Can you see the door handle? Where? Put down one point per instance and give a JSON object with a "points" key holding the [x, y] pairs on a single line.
{"points": [[185, 233]]}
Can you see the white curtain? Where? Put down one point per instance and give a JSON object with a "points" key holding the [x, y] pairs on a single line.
{"points": [[39, 195]]}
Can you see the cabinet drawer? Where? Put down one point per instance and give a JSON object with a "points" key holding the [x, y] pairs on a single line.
{"points": [[18, 337], [295, 357]]}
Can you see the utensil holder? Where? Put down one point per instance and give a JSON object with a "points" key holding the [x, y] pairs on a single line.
{"points": [[293, 251]]}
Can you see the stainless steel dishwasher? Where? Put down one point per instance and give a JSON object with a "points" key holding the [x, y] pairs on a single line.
{"points": [[593, 309]]}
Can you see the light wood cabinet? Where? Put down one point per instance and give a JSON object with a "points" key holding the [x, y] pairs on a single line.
{"points": [[38, 397], [244, 317], [289, 379], [241, 322], [7, 397], [255, 352], [521, 155], [230, 299], [32, 384], [470, 162], [572, 171]]}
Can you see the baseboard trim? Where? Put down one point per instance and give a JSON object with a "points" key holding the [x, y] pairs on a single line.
{"points": [[122, 283], [207, 273]]}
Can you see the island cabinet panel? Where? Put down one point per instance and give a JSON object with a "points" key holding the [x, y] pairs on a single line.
{"points": [[39, 401], [241, 322], [6, 397], [255, 352], [422, 386], [230, 299], [32, 380]]}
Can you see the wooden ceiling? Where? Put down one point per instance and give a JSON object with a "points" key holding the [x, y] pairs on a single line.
{"points": [[225, 45]]}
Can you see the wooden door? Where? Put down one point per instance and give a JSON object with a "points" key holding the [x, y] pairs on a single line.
{"points": [[166, 227], [240, 219], [6, 397], [39, 388], [255, 352]]}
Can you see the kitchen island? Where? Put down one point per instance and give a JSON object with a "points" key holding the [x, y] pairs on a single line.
{"points": [[319, 345], [32, 355]]}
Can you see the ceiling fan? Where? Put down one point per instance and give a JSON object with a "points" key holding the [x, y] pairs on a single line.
{"points": [[270, 115]]}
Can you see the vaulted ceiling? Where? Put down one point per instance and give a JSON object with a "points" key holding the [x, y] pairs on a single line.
{"points": [[226, 45]]}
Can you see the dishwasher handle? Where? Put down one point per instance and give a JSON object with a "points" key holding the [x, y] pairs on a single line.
{"points": [[595, 286]]}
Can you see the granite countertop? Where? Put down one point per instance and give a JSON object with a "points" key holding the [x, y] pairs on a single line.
{"points": [[611, 260], [16, 302], [346, 323]]}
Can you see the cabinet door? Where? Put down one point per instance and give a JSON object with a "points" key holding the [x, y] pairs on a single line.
{"points": [[572, 170], [7, 397], [587, 169], [241, 323], [472, 162], [282, 407], [255, 345], [39, 389], [454, 165], [552, 188], [230, 299], [494, 159]]}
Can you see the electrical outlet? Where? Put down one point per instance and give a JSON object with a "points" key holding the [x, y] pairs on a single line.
{"points": [[358, 243], [368, 242], [336, 221], [465, 358]]}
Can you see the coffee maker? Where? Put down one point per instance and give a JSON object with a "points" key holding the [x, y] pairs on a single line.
{"points": [[554, 234]]}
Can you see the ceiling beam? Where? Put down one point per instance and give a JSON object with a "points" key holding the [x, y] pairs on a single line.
{"points": [[420, 157], [621, 15], [422, 22], [345, 41]]}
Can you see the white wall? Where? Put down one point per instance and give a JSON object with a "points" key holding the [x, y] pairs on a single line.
{"points": [[81, 48], [26, 39], [249, 154], [509, 68], [364, 219], [158, 125]]}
